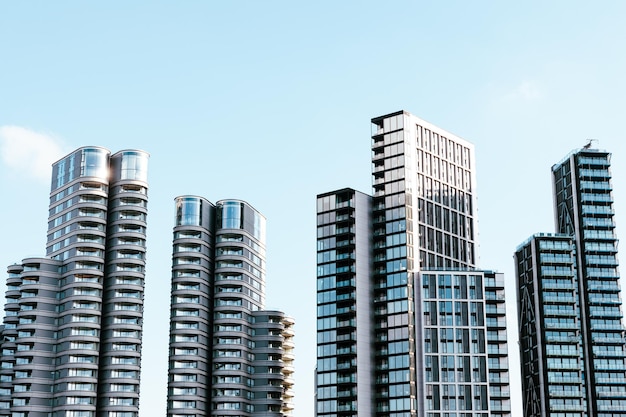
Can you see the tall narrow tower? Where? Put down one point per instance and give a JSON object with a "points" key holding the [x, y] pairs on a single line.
{"points": [[571, 331], [399, 289], [228, 356], [345, 318], [71, 342]]}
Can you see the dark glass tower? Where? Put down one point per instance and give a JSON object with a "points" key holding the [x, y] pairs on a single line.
{"points": [[228, 356], [345, 317], [571, 333], [399, 296], [71, 340]]}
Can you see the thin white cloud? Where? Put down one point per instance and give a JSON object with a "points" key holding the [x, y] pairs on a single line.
{"points": [[526, 91], [29, 154]]}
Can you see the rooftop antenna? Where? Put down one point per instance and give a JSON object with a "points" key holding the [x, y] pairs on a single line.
{"points": [[590, 142]]}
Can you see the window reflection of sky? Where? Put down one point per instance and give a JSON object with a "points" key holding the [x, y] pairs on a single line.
{"points": [[134, 166], [95, 163], [188, 211], [234, 214]]}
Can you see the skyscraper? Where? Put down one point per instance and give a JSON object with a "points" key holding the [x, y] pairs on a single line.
{"points": [[345, 322], [573, 351], [71, 340], [228, 356], [406, 323]]}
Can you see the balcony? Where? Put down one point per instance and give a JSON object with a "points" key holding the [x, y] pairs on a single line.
{"points": [[565, 394], [611, 381], [565, 380], [608, 340], [573, 326], [496, 323], [559, 299], [605, 313], [346, 351], [567, 407], [346, 323], [492, 350]]}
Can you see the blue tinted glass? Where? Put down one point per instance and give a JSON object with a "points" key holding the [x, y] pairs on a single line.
{"points": [[188, 211], [94, 163], [134, 166], [231, 215], [61, 173], [259, 227]]}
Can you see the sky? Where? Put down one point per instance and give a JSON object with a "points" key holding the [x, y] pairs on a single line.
{"points": [[270, 102]]}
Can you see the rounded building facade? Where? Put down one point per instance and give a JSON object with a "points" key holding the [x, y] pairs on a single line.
{"points": [[228, 357], [191, 308], [75, 317]]}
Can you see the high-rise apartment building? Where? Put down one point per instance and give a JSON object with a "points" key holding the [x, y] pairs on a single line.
{"points": [[572, 346], [407, 326], [345, 321], [228, 356], [71, 340]]}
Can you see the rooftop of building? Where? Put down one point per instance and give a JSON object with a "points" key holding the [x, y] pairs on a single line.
{"points": [[587, 149], [540, 235]]}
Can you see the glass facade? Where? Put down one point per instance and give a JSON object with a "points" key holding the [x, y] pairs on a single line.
{"points": [[575, 346], [344, 314], [550, 327], [420, 218], [74, 317]]}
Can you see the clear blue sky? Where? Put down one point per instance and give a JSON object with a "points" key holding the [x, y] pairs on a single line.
{"points": [[270, 102]]}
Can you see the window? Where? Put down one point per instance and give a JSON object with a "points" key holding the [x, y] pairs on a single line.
{"points": [[82, 359], [80, 386], [184, 378], [184, 391], [123, 374], [123, 361], [123, 388], [128, 294], [121, 401], [227, 392], [81, 372], [228, 406], [186, 325], [127, 307], [180, 312], [228, 366], [83, 345], [186, 299], [228, 353], [181, 286], [185, 351], [77, 413], [183, 404], [228, 379], [185, 338], [84, 332], [84, 318], [126, 333], [126, 320], [229, 340], [80, 400], [124, 346], [185, 364]]}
